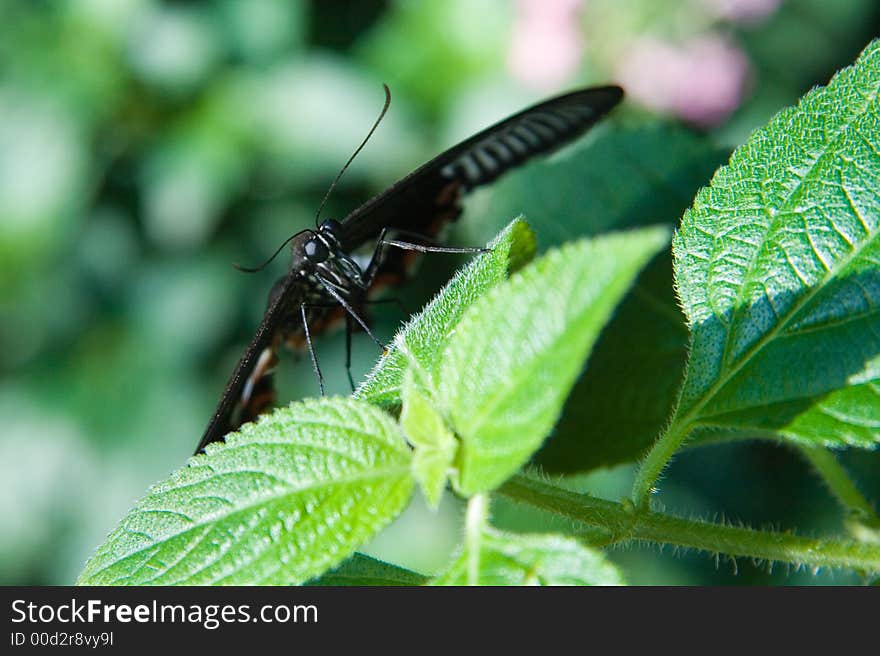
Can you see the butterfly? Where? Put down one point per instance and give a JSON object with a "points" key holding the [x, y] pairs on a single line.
{"points": [[327, 281]]}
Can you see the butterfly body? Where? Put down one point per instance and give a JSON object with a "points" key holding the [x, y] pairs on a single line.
{"points": [[326, 281]]}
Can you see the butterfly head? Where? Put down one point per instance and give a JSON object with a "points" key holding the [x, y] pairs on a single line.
{"points": [[319, 253]]}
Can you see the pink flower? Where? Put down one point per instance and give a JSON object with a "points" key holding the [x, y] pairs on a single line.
{"points": [[546, 43], [702, 81]]}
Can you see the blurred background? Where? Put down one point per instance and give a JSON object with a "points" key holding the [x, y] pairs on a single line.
{"points": [[145, 146]]}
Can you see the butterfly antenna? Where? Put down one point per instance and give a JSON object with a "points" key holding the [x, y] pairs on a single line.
{"points": [[274, 255], [355, 153]]}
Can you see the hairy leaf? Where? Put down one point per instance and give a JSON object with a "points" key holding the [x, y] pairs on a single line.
{"points": [[513, 559], [279, 502], [424, 336], [776, 266], [628, 390], [621, 176], [518, 350]]}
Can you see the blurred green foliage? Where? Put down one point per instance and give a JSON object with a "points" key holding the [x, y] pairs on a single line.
{"points": [[146, 145]]}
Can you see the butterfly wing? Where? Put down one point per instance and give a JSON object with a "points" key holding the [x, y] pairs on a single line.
{"points": [[421, 203], [427, 198], [250, 388]]}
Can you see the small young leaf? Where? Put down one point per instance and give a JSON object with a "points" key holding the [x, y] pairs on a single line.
{"points": [[434, 443], [279, 502], [517, 351], [513, 559], [364, 570], [777, 269], [424, 336]]}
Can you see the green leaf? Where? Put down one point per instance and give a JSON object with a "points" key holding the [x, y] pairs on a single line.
{"points": [[364, 570], [621, 176], [631, 383], [518, 350], [777, 269], [425, 335], [433, 442], [512, 559], [279, 502]]}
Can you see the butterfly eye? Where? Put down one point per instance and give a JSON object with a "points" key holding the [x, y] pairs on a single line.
{"points": [[316, 251]]}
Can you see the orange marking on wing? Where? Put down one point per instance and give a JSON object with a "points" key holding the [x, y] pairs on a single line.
{"points": [[261, 401]]}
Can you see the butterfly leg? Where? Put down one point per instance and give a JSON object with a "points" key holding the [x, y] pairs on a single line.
{"points": [[308, 336], [348, 329], [431, 247], [350, 310], [428, 245], [421, 248], [369, 301]]}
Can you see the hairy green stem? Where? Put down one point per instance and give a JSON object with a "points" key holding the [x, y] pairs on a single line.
{"points": [[628, 522], [840, 484], [655, 462]]}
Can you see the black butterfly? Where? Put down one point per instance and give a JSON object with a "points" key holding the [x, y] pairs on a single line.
{"points": [[326, 282]]}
